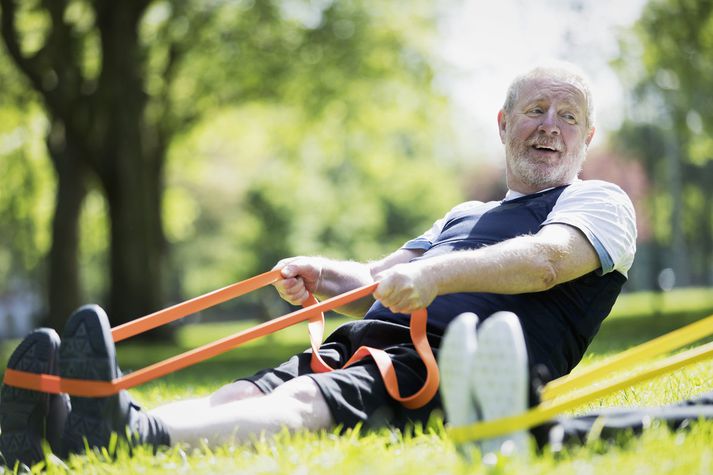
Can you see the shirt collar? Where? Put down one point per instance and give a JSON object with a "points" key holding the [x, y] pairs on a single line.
{"points": [[512, 194]]}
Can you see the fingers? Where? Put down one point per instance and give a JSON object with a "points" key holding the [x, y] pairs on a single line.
{"points": [[292, 290], [300, 278], [401, 292], [402, 304], [386, 291], [284, 265]]}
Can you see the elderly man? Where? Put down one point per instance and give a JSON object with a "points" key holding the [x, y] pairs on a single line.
{"points": [[554, 251]]}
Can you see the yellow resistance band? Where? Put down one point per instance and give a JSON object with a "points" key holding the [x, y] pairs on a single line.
{"points": [[548, 409], [644, 352]]}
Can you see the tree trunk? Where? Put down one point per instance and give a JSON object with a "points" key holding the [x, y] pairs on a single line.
{"points": [[129, 166], [707, 224], [106, 123], [679, 251], [136, 239], [64, 294]]}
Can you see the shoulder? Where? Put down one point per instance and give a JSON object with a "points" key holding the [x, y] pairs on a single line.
{"points": [[472, 207], [593, 195], [466, 206], [605, 214], [596, 190], [596, 197]]}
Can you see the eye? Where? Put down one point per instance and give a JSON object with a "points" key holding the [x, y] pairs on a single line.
{"points": [[569, 117], [534, 111]]}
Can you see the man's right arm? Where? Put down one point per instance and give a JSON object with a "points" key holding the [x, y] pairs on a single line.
{"points": [[325, 278]]}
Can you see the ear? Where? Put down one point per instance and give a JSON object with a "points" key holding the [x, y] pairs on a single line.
{"points": [[501, 125], [590, 136]]}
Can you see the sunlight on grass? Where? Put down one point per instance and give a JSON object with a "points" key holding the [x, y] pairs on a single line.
{"points": [[428, 450], [680, 301]]}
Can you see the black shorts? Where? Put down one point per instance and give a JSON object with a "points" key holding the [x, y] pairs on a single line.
{"points": [[357, 394]]}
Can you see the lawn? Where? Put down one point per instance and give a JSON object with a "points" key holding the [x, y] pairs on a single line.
{"points": [[637, 318]]}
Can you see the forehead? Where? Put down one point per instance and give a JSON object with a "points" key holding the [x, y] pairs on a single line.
{"points": [[549, 90]]}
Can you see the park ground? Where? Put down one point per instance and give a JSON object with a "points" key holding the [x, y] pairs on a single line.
{"points": [[636, 318]]}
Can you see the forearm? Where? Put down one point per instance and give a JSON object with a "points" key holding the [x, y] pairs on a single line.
{"points": [[338, 277], [557, 253], [524, 264], [342, 276], [511, 267]]}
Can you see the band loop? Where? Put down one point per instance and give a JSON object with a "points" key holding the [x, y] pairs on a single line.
{"points": [[313, 313]]}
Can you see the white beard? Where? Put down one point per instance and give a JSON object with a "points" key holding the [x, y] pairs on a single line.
{"points": [[540, 175]]}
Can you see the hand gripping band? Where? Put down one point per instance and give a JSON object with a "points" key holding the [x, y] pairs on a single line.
{"points": [[313, 313]]}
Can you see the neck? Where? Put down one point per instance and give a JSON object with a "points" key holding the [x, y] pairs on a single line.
{"points": [[526, 189], [530, 188]]}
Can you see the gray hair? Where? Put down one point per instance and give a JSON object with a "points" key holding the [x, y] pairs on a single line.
{"points": [[561, 71]]}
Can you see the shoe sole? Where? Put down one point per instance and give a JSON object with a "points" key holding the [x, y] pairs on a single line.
{"points": [[37, 353], [455, 361], [500, 378], [87, 352]]}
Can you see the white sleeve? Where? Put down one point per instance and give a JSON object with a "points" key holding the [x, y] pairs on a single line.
{"points": [[425, 240], [604, 213]]}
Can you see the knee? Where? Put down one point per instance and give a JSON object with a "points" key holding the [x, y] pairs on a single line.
{"points": [[303, 398], [235, 391], [302, 389]]}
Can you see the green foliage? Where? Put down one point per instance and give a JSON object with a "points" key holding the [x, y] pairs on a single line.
{"points": [[306, 54], [668, 61], [93, 246], [26, 194], [267, 182], [289, 127]]}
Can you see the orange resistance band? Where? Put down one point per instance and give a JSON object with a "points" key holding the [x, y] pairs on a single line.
{"points": [[313, 313]]}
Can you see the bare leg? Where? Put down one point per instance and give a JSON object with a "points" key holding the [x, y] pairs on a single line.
{"points": [[297, 404], [230, 392], [236, 391]]}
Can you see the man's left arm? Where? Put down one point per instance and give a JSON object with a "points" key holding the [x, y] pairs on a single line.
{"points": [[532, 263]]}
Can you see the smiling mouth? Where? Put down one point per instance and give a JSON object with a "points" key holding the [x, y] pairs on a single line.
{"points": [[544, 148]]}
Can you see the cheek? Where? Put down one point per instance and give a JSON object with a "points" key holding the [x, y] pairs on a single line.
{"points": [[522, 130], [574, 137]]}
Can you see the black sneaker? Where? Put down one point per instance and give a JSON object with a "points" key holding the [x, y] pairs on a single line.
{"points": [[28, 417], [88, 352]]}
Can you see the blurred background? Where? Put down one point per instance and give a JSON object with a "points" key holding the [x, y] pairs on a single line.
{"points": [[151, 151]]}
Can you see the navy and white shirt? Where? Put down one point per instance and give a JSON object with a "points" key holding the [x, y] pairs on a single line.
{"points": [[558, 323]]}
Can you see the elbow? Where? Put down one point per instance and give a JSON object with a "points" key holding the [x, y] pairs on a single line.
{"points": [[547, 276], [547, 271]]}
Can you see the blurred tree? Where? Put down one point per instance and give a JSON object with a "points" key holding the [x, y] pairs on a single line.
{"points": [[26, 182], [668, 61], [24, 201], [119, 81], [345, 184]]}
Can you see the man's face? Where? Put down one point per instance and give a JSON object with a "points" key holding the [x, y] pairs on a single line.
{"points": [[545, 135]]}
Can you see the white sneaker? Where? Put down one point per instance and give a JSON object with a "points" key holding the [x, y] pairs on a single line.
{"points": [[500, 379], [455, 361]]}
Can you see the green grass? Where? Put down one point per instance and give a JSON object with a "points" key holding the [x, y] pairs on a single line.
{"points": [[423, 450]]}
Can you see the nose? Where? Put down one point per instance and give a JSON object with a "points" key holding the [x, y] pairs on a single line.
{"points": [[549, 123]]}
